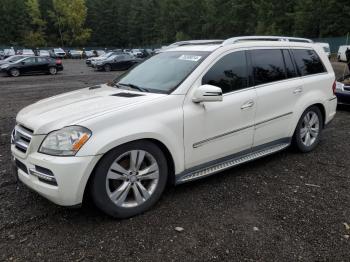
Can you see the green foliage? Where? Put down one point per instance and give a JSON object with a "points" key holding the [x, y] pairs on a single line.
{"points": [[157, 22], [34, 35], [68, 16]]}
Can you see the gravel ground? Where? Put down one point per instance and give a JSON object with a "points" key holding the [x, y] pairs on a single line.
{"points": [[285, 207]]}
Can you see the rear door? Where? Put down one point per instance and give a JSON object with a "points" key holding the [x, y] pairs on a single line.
{"points": [[278, 87], [43, 64]]}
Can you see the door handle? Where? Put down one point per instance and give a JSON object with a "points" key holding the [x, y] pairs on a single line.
{"points": [[248, 104], [298, 90]]}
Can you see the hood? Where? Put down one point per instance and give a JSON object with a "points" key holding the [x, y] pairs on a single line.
{"points": [[76, 107]]}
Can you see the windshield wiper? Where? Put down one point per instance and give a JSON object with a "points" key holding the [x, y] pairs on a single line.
{"points": [[142, 89]]}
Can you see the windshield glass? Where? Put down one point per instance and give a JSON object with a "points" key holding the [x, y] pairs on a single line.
{"points": [[163, 72], [326, 49], [13, 58]]}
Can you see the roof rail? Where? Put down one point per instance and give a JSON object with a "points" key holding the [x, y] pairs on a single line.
{"points": [[235, 40], [197, 42]]}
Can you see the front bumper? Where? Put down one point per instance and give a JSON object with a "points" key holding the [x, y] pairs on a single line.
{"points": [[70, 173]]}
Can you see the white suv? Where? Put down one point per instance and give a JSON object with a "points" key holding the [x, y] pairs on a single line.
{"points": [[186, 113]]}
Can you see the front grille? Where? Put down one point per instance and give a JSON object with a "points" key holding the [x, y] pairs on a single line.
{"points": [[21, 137]]}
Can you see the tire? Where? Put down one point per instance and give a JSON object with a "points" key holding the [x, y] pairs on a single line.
{"points": [[308, 132], [133, 190], [53, 70], [107, 68], [14, 72]]}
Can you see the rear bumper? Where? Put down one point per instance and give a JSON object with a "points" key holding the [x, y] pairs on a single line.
{"points": [[331, 109]]}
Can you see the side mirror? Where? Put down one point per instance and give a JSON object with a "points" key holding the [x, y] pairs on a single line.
{"points": [[207, 93], [23, 63]]}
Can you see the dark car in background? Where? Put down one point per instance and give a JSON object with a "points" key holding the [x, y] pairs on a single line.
{"points": [[74, 54], [2, 54], [32, 65], [116, 62], [342, 90]]}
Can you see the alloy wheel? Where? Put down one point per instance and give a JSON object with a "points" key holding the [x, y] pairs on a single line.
{"points": [[132, 178], [310, 129]]}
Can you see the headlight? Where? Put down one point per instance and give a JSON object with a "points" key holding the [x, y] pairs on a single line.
{"points": [[4, 66], [65, 142]]}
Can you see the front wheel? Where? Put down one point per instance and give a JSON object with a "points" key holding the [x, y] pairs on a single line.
{"points": [[129, 179], [107, 68], [308, 132], [14, 72]]}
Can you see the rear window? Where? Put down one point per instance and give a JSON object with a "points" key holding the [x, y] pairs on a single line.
{"points": [[268, 66], [308, 62]]}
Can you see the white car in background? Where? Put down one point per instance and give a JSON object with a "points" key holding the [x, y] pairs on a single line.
{"points": [[44, 53], [184, 114], [58, 53], [341, 53], [326, 48]]}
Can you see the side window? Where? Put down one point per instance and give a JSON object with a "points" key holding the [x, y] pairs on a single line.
{"points": [[30, 60], [308, 62], [268, 66], [229, 73], [290, 69]]}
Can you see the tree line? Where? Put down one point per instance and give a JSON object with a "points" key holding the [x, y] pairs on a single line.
{"points": [[120, 23]]}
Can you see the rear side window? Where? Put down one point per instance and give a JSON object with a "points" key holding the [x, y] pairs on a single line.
{"points": [[268, 66], [308, 62], [229, 73]]}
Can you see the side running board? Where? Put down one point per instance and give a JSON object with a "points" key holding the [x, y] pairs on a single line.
{"points": [[226, 164]]}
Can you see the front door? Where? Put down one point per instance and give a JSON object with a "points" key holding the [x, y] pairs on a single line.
{"points": [[214, 130]]}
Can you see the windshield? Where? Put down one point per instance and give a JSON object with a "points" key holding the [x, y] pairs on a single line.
{"points": [[326, 49], [13, 58], [58, 50], [163, 72]]}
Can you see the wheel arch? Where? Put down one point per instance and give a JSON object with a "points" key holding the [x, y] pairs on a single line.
{"points": [[158, 143]]}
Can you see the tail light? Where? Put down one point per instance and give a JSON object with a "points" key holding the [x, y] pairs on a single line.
{"points": [[58, 61], [334, 87]]}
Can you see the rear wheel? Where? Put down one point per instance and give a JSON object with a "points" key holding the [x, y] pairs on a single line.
{"points": [[129, 179], [308, 132], [14, 72], [53, 70], [107, 68]]}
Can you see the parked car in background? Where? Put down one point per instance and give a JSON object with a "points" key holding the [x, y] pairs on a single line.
{"points": [[342, 90], [326, 48], [32, 65], [44, 53], [74, 54], [2, 54], [91, 60], [116, 62], [27, 52], [184, 114], [9, 52], [88, 54], [58, 53], [341, 53], [98, 53], [136, 52], [12, 59]]}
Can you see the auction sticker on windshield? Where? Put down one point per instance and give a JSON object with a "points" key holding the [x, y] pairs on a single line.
{"points": [[194, 58]]}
